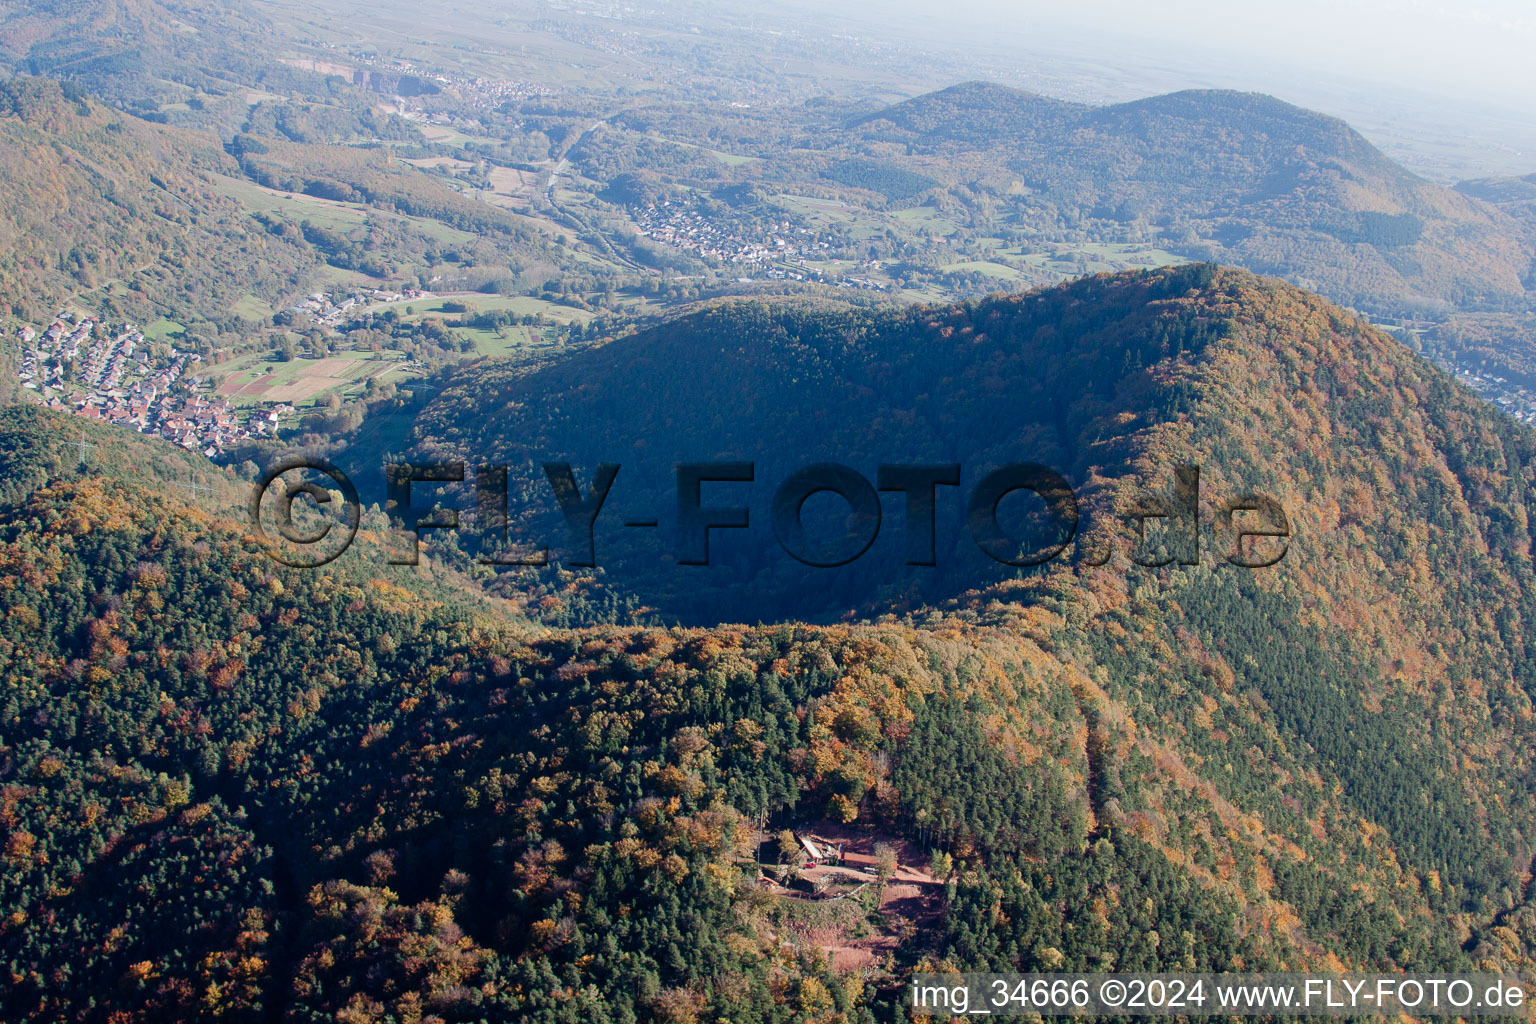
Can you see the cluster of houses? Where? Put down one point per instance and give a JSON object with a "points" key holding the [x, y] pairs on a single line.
{"points": [[326, 310], [110, 375], [684, 227], [779, 255], [70, 351], [1514, 398], [194, 422], [1518, 401], [491, 94]]}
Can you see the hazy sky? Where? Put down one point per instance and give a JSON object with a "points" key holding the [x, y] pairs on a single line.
{"points": [[1476, 48]]}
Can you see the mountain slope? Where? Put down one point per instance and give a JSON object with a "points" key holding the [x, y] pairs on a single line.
{"points": [[99, 202], [135, 50], [138, 220], [1408, 499], [1514, 196], [399, 806], [320, 794], [1082, 378], [1238, 177]]}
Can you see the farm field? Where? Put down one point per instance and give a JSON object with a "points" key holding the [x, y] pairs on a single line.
{"points": [[729, 159], [427, 163], [328, 213], [261, 379], [512, 187], [249, 307], [813, 201], [510, 339], [1091, 258], [493, 342], [991, 269], [918, 217], [442, 133]]}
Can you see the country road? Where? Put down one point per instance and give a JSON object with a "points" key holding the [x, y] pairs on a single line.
{"points": [[603, 244]]}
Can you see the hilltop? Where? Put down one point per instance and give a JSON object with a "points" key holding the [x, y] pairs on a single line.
{"points": [[971, 110], [1241, 178], [1087, 378]]}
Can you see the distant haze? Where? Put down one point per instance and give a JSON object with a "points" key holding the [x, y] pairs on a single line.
{"points": [[1483, 49], [1446, 88]]}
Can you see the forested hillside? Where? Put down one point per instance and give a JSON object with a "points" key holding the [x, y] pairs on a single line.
{"points": [[1516, 196], [1241, 178], [129, 213], [1271, 706], [229, 789], [135, 220], [1353, 659], [1080, 378], [135, 51]]}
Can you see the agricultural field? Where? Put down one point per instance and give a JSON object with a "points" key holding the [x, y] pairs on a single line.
{"points": [[260, 379], [512, 187], [1003, 271], [733, 159], [249, 307], [813, 203], [443, 134], [918, 217], [428, 163], [1093, 257], [508, 340], [294, 206], [332, 214], [729, 159]]}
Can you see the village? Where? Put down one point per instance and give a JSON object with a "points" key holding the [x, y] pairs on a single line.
{"points": [[691, 231], [82, 366], [781, 255], [1518, 401]]}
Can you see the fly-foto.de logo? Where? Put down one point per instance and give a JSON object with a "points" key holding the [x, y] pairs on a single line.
{"points": [[1256, 523]]}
